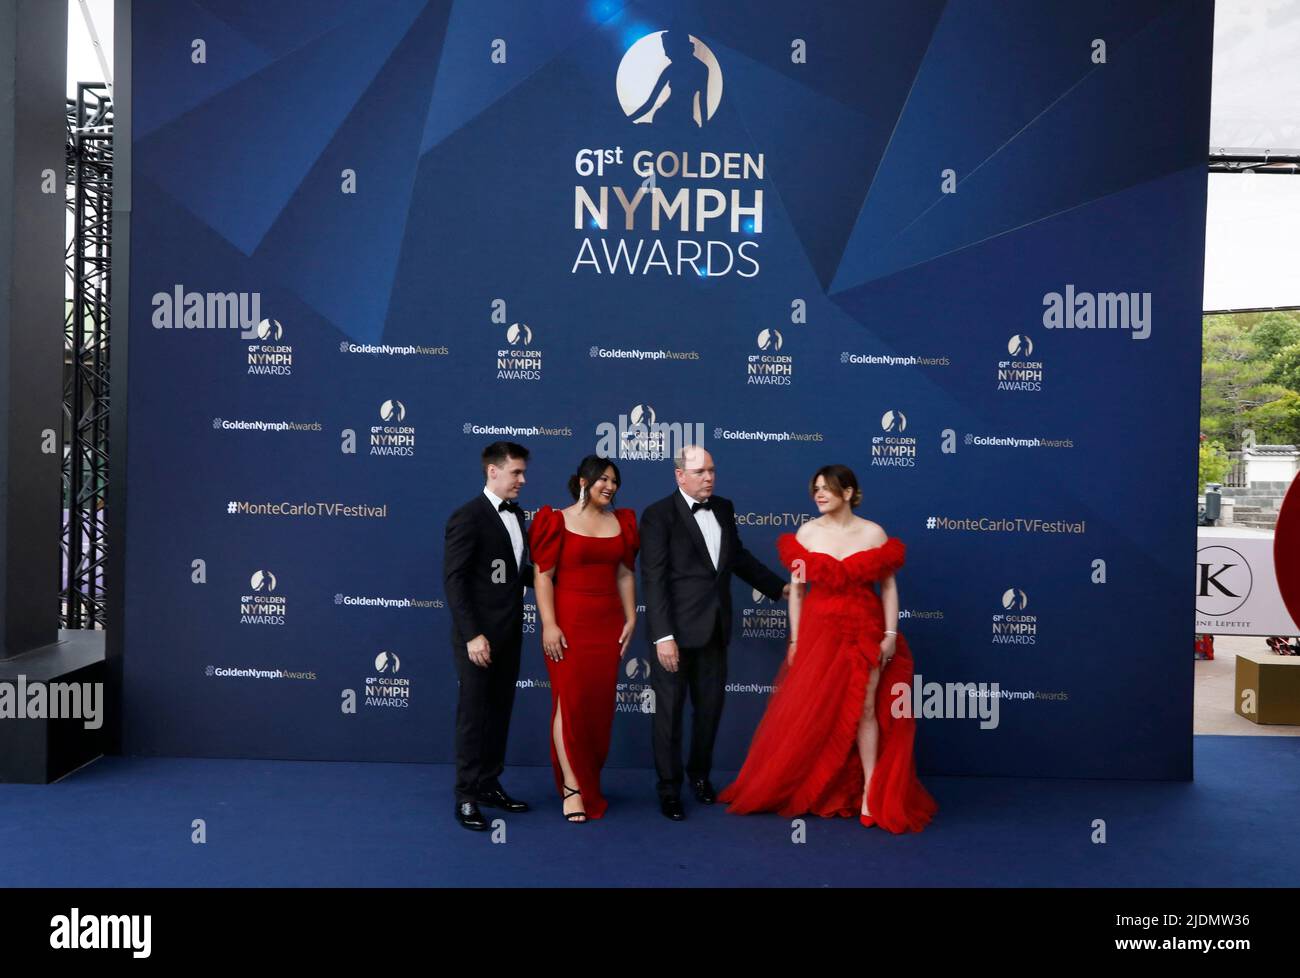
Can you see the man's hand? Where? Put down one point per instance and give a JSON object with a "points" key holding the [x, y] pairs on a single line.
{"points": [[669, 657], [480, 653], [785, 591]]}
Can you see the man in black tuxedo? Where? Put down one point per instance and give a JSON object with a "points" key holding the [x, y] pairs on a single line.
{"points": [[689, 550], [485, 570]]}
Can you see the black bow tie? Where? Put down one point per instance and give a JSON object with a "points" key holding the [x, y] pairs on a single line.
{"points": [[508, 507], [707, 504]]}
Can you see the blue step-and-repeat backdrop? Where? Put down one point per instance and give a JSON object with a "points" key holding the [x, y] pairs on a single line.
{"points": [[955, 246]]}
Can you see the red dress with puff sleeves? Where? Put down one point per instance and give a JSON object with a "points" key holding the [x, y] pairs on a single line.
{"points": [[589, 612]]}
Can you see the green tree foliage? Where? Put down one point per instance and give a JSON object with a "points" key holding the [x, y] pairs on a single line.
{"points": [[1274, 332], [1250, 377], [1214, 464]]}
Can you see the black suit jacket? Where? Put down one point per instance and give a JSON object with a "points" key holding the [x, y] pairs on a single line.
{"points": [[475, 539], [683, 592]]}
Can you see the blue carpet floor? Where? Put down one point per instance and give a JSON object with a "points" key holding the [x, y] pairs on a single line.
{"points": [[127, 822]]}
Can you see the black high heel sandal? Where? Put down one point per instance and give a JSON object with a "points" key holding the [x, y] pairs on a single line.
{"points": [[578, 817]]}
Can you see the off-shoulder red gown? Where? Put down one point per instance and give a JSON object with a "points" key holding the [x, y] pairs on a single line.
{"points": [[804, 755], [589, 612]]}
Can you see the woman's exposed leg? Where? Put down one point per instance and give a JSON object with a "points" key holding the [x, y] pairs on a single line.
{"points": [[573, 803], [868, 735]]}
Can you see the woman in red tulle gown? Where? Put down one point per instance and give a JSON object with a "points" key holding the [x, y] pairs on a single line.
{"points": [[829, 731], [584, 558]]}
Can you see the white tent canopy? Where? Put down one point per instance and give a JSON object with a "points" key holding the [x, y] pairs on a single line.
{"points": [[1255, 98], [1252, 242], [1252, 233]]}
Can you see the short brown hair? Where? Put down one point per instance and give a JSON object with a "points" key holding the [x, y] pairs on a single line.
{"points": [[838, 478]]}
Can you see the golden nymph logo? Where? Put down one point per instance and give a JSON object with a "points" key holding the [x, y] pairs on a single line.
{"points": [[674, 211]]}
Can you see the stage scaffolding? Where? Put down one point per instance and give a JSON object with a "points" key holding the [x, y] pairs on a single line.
{"points": [[89, 196]]}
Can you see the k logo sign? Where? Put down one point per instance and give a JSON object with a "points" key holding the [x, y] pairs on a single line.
{"points": [[673, 71], [1223, 580]]}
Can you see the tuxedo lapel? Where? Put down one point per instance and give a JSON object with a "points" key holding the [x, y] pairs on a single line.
{"points": [[693, 529], [501, 533], [722, 514], [523, 533]]}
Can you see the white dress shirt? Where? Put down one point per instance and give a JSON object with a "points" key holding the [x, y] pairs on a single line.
{"points": [[712, 530], [511, 524]]}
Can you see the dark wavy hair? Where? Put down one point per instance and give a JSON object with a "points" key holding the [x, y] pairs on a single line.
{"points": [[838, 478], [592, 468]]}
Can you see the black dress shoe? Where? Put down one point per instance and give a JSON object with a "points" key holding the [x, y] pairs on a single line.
{"points": [[672, 808], [497, 798], [468, 815], [704, 792]]}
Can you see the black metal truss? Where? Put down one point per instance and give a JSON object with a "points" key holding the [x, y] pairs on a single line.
{"points": [[86, 374]]}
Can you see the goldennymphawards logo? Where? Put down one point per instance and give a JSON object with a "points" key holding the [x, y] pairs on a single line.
{"points": [[670, 71], [1013, 626], [639, 435], [517, 431], [893, 448], [735, 434], [1098, 310], [387, 350], [633, 693], [669, 81], [385, 689], [39, 700], [1021, 372], [521, 360], [254, 672], [262, 606], [771, 367], [102, 932], [271, 356], [606, 353], [1016, 441], [179, 309], [1223, 580], [392, 438], [243, 424], [366, 601], [892, 360]]}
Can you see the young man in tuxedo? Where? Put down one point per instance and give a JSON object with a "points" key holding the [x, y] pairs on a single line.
{"points": [[485, 570], [689, 550]]}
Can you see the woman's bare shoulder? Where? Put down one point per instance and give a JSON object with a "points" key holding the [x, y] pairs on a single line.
{"points": [[809, 531], [873, 533]]}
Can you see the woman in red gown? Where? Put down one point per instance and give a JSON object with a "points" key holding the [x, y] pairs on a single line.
{"points": [[829, 730], [584, 558]]}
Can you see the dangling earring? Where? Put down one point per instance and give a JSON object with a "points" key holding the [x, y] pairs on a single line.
{"points": [[582, 497]]}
